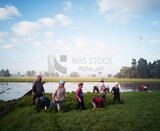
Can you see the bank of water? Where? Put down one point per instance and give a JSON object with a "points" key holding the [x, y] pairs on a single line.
{"points": [[14, 90]]}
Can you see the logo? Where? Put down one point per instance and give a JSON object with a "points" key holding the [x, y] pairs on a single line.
{"points": [[54, 65], [68, 64]]}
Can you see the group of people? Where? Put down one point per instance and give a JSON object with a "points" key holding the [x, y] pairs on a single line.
{"points": [[60, 95], [102, 89]]}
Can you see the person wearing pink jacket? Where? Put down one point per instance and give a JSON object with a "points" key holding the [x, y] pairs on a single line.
{"points": [[80, 97]]}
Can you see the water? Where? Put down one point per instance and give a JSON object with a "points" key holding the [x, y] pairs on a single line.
{"points": [[14, 90]]}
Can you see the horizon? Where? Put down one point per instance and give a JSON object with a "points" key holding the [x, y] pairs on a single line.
{"points": [[68, 75]]}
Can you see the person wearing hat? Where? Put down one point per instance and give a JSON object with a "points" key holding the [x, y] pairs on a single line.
{"points": [[102, 86], [102, 89], [37, 89], [116, 92], [99, 86], [80, 97], [59, 95]]}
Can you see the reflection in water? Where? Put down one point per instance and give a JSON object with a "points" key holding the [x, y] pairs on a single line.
{"points": [[135, 86], [4, 87], [130, 86], [4, 83], [14, 90]]}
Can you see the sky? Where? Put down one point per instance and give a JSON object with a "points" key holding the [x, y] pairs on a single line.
{"points": [[98, 34]]}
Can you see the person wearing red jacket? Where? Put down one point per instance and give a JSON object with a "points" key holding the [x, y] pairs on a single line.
{"points": [[98, 102]]}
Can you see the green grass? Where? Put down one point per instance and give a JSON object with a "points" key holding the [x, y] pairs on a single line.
{"points": [[31, 79], [139, 111]]}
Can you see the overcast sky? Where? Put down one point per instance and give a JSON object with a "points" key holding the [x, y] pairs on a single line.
{"points": [[117, 30]]}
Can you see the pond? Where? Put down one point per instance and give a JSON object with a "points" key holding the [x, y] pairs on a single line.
{"points": [[14, 90]]}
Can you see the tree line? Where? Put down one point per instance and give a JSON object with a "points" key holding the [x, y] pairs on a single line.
{"points": [[4, 73], [140, 69], [32, 73]]}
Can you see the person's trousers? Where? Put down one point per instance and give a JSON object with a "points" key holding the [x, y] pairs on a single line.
{"points": [[80, 104], [35, 98], [59, 105], [93, 103], [116, 97]]}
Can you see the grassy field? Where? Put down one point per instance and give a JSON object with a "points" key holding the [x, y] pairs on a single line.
{"points": [[138, 111], [31, 79]]}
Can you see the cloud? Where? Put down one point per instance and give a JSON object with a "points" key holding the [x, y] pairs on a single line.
{"points": [[25, 28], [4, 41], [38, 33], [156, 40], [67, 5], [95, 48], [33, 33], [156, 23], [3, 34], [8, 12], [49, 34], [63, 19], [120, 17], [29, 28], [126, 9], [60, 42], [47, 21], [6, 46], [58, 19], [2, 38], [127, 6]]}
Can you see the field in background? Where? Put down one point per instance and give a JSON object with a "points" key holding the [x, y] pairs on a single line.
{"points": [[31, 79]]}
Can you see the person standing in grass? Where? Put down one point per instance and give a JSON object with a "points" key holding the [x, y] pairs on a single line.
{"points": [[102, 86], [116, 92], [59, 95], [80, 97], [98, 102], [103, 89], [37, 89], [99, 86]]}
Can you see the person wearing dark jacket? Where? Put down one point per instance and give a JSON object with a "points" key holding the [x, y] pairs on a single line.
{"points": [[43, 103], [116, 92], [37, 89]]}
